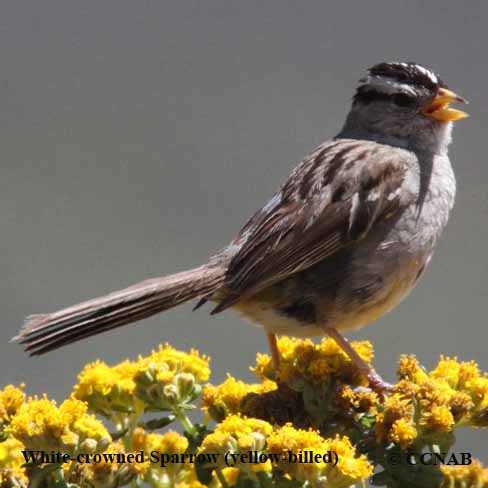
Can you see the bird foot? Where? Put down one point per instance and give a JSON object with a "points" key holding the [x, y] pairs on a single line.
{"points": [[378, 385]]}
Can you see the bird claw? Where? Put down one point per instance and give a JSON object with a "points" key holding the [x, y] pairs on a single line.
{"points": [[378, 385]]}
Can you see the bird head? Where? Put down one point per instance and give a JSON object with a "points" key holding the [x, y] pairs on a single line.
{"points": [[404, 101]]}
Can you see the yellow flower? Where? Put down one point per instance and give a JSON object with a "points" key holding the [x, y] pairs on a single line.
{"points": [[438, 419], [288, 441], [467, 371], [473, 475], [447, 370], [236, 424], [288, 438], [108, 473], [168, 444], [362, 400], [364, 348], [170, 361], [166, 379], [302, 359], [349, 469], [478, 389], [11, 398], [453, 393], [405, 389], [139, 439], [402, 433], [108, 390], [226, 397], [11, 461], [123, 389], [457, 375], [460, 404], [238, 434], [396, 408], [190, 484], [41, 425], [98, 377], [230, 475], [410, 369]]}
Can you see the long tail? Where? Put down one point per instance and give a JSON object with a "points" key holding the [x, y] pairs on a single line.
{"points": [[43, 333]]}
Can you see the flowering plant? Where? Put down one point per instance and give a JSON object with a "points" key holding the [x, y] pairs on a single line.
{"points": [[313, 424]]}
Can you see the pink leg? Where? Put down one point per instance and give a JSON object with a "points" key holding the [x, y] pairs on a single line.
{"points": [[376, 383], [275, 353]]}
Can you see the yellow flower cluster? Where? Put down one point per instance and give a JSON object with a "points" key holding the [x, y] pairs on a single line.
{"points": [[335, 472], [308, 374], [240, 435], [169, 361], [360, 399], [317, 386], [11, 460], [219, 401], [167, 378], [105, 473], [470, 476], [158, 379], [169, 443], [432, 403], [107, 389], [41, 425], [11, 398], [303, 360]]}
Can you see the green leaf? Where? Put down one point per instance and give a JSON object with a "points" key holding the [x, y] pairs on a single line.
{"points": [[200, 431], [368, 421], [197, 390], [118, 435], [316, 401], [40, 477], [155, 424], [204, 473]]}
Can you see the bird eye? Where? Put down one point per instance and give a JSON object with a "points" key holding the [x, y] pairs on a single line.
{"points": [[403, 100]]}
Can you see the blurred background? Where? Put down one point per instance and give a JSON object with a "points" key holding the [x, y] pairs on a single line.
{"points": [[137, 137]]}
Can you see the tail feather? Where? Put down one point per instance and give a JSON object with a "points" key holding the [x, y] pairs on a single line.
{"points": [[43, 333]]}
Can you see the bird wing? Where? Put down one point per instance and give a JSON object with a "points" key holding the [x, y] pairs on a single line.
{"points": [[333, 198]]}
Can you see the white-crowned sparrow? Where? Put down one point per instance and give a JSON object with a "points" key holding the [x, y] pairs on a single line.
{"points": [[344, 239]]}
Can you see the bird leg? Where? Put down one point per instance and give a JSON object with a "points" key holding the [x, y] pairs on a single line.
{"points": [[273, 347], [376, 383]]}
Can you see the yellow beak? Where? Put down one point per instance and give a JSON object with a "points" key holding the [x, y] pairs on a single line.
{"points": [[439, 107]]}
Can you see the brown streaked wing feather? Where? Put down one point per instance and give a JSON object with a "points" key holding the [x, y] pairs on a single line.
{"points": [[315, 214]]}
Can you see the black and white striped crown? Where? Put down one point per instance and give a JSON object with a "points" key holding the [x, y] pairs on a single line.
{"points": [[388, 79]]}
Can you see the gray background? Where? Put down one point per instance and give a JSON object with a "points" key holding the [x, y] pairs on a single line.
{"points": [[136, 138]]}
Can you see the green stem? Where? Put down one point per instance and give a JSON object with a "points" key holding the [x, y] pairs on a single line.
{"points": [[70, 470], [187, 424], [38, 475], [58, 474], [130, 422]]}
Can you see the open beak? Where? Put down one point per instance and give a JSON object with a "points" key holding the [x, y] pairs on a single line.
{"points": [[439, 107]]}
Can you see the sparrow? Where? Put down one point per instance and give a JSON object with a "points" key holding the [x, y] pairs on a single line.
{"points": [[342, 242]]}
